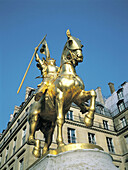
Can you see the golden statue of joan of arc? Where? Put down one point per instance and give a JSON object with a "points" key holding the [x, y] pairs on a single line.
{"points": [[54, 96], [47, 67]]}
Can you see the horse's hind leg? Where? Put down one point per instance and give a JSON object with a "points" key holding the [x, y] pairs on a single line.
{"points": [[33, 127], [48, 138], [82, 97], [33, 122]]}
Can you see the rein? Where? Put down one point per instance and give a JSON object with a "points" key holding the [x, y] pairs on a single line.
{"points": [[68, 62]]}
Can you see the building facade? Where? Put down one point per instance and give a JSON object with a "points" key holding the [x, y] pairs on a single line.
{"points": [[110, 130]]}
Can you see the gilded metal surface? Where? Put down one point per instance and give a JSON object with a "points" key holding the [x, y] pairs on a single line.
{"points": [[73, 146], [60, 87]]}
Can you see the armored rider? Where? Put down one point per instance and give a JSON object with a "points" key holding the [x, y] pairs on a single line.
{"points": [[49, 71]]}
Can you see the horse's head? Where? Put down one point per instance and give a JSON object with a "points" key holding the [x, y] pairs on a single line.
{"points": [[74, 47]]}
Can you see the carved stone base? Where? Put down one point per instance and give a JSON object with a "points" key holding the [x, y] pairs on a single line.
{"points": [[75, 158]]}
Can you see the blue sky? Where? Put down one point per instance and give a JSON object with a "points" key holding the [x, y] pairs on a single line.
{"points": [[101, 25]]}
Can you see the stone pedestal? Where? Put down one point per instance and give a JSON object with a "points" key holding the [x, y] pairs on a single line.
{"points": [[80, 159]]}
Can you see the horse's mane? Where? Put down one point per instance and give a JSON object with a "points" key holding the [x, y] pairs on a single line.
{"points": [[63, 56]]}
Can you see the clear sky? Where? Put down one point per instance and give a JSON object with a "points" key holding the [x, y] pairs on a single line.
{"points": [[101, 25]]}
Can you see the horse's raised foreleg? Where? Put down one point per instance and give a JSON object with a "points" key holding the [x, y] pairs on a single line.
{"points": [[60, 118], [83, 107], [83, 97], [88, 120]]}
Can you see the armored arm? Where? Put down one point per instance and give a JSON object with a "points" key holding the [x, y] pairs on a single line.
{"points": [[41, 63]]}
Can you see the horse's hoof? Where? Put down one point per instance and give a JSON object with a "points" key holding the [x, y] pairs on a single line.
{"points": [[30, 140], [60, 145], [44, 152], [36, 152], [88, 122]]}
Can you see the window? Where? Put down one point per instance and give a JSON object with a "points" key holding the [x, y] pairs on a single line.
{"points": [[14, 145], [21, 164], [120, 94], [91, 138], [121, 106], [70, 115], [126, 138], [123, 122], [6, 157], [100, 109], [23, 135], [71, 136], [110, 144], [105, 123]]}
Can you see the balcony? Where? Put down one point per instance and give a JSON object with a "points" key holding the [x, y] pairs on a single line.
{"points": [[79, 119], [116, 111], [121, 125]]}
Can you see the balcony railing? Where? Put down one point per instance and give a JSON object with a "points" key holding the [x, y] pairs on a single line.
{"points": [[121, 125], [105, 111], [116, 111], [79, 119]]}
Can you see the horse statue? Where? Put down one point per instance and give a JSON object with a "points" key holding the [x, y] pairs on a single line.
{"points": [[52, 104]]}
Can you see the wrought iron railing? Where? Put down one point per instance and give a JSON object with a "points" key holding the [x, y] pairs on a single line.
{"points": [[116, 111], [121, 125], [79, 119]]}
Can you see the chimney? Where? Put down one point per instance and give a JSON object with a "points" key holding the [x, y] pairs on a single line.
{"points": [[112, 88], [11, 117], [99, 95], [16, 110]]}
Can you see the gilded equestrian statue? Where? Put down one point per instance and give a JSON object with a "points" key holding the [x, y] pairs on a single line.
{"points": [[54, 97]]}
